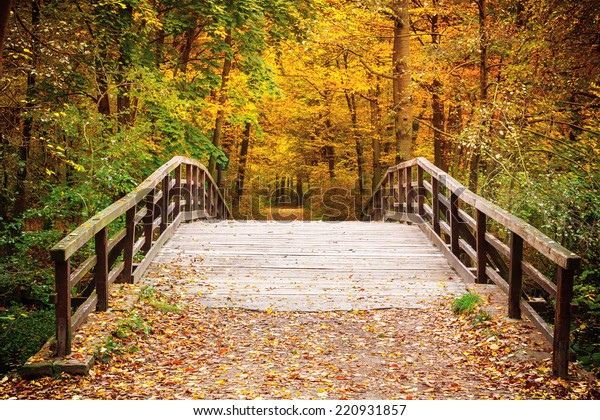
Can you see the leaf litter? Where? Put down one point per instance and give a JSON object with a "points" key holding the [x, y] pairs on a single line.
{"points": [[197, 352]]}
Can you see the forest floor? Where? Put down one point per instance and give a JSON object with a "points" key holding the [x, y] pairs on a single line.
{"points": [[170, 346]]}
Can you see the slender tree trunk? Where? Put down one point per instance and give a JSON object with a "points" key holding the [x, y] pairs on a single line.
{"points": [[123, 92], [186, 51], [483, 83], [4, 17], [242, 161], [376, 132], [454, 127], [351, 103], [30, 97], [438, 124], [437, 105], [299, 191], [104, 101], [218, 132], [401, 84], [329, 149]]}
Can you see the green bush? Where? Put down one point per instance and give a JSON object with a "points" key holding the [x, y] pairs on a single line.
{"points": [[22, 333]]}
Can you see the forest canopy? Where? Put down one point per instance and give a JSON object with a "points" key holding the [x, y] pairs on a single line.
{"points": [[315, 97]]}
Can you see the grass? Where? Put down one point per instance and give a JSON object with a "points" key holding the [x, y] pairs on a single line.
{"points": [[466, 304], [150, 295]]}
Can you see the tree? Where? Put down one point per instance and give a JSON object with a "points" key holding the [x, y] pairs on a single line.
{"points": [[4, 16], [402, 84]]}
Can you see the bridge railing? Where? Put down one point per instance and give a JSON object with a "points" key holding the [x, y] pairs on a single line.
{"points": [[468, 230], [119, 242]]}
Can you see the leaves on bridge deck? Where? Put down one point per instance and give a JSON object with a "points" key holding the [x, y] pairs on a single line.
{"points": [[238, 354]]}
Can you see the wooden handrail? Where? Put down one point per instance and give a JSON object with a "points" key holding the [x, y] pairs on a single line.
{"points": [[160, 199], [465, 240]]}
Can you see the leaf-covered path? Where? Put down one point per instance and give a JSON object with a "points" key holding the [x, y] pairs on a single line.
{"points": [[160, 351], [201, 330]]}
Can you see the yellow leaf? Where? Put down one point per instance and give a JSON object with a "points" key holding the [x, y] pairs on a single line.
{"points": [[494, 346]]}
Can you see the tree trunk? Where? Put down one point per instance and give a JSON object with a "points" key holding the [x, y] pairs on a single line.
{"points": [[454, 127], [351, 103], [437, 105], [242, 161], [218, 133], [401, 83], [299, 191], [483, 83], [21, 184], [123, 92], [4, 17], [376, 132], [184, 56]]}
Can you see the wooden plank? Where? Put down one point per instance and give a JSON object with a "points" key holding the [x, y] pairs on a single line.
{"points": [[497, 279], [115, 272], [177, 193], [128, 245], [515, 276], [409, 190], [83, 269], [539, 278], [101, 271], [482, 246], [436, 205], [420, 192], [164, 237], [538, 321], [307, 266], [454, 225], [140, 215], [463, 271], [83, 311], [164, 203], [63, 307], [562, 322]]}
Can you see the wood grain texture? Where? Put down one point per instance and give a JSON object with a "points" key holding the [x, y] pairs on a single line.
{"points": [[306, 266]]}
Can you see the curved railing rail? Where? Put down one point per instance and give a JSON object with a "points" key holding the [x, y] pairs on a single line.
{"points": [[180, 190], [457, 221]]}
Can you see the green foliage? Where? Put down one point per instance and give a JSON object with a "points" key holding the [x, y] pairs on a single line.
{"points": [[466, 304], [22, 333], [130, 326], [154, 299]]}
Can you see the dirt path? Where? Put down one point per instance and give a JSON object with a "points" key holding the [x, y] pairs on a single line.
{"points": [[199, 352]]}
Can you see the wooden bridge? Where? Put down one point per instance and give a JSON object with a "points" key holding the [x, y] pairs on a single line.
{"points": [[450, 237]]}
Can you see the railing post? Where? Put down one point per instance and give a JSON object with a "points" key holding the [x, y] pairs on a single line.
{"points": [[101, 270], [515, 276], [435, 197], [63, 307], [420, 192], [164, 203], [562, 322], [454, 228], [188, 188], [481, 244], [177, 193], [126, 276], [202, 193], [409, 190], [149, 221], [195, 206], [379, 215]]}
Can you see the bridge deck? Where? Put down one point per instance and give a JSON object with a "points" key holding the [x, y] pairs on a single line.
{"points": [[305, 266]]}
